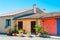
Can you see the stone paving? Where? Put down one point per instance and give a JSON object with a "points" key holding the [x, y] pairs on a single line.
{"points": [[5, 37]]}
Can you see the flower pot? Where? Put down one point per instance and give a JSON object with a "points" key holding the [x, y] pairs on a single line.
{"points": [[14, 34]]}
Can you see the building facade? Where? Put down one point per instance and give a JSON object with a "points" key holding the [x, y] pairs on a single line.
{"points": [[51, 23], [26, 19]]}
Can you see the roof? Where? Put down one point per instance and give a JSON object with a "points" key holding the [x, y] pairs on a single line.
{"points": [[52, 14], [24, 15], [15, 12], [45, 15], [31, 16], [19, 12], [37, 15]]}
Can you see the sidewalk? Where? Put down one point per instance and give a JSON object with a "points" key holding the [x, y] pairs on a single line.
{"points": [[5, 37], [57, 37]]}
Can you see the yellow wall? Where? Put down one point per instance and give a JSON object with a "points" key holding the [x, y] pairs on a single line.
{"points": [[27, 24]]}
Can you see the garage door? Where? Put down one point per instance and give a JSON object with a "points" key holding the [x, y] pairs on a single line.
{"points": [[50, 24]]}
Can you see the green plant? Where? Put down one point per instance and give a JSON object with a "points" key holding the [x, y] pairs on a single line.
{"points": [[15, 30], [38, 28], [20, 31], [44, 32]]}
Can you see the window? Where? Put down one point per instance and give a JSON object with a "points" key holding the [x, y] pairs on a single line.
{"points": [[8, 23]]}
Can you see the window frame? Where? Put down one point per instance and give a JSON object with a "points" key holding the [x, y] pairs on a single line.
{"points": [[8, 23]]}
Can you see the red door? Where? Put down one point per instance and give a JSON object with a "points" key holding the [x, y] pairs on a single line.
{"points": [[50, 24]]}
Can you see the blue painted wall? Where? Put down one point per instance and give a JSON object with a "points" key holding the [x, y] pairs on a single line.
{"points": [[58, 26]]}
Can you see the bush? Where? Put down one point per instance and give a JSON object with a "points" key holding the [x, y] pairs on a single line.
{"points": [[38, 28], [20, 31], [44, 32], [15, 30]]}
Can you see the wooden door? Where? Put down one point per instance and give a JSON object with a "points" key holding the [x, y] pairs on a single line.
{"points": [[32, 26], [20, 25]]}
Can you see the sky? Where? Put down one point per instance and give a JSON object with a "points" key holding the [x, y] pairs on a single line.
{"points": [[13, 5]]}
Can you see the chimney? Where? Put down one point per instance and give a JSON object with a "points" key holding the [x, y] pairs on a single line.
{"points": [[34, 8], [44, 10]]}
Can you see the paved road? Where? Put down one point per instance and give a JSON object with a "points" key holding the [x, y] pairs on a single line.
{"points": [[5, 37]]}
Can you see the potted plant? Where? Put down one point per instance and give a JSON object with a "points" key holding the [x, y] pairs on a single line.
{"points": [[20, 32], [37, 29], [44, 33], [15, 30], [28, 34]]}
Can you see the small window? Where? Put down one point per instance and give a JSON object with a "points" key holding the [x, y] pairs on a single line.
{"points": [[8, 23]]}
